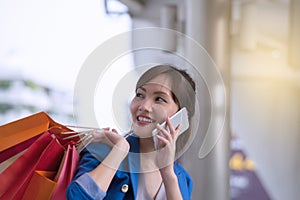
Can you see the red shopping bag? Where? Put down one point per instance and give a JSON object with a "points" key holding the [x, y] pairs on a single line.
{"points": [[14, 150], [48, 185], [44, 154], [66, 173]]}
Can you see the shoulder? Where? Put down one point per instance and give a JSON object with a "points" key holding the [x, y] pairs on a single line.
{"points": [[134, 143], [87, 163], [179, 169]]}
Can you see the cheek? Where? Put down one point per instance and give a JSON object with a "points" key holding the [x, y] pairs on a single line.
{"points": [[173, 109], [133, 107]]}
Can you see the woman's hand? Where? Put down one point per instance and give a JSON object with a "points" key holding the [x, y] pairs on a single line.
{"points": [[167, 147], [111, 138]]}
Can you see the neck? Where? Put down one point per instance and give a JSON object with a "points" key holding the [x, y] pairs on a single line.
{"points": [[146, 145], [148, 155]]}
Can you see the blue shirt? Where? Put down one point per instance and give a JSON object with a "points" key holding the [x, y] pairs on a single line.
{"points": [[125, 182]]}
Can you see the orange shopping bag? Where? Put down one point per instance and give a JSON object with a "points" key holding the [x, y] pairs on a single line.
{"points": [[41, 186], [48, 185], [20, 134]]}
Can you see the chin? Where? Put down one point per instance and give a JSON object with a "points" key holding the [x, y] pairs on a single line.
{"points": [[143, 131]]}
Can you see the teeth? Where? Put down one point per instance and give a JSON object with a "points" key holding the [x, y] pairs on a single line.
{"points": [[144, 119]]}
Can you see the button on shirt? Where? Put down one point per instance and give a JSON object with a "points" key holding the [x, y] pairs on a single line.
{"points": [[124, 188]]}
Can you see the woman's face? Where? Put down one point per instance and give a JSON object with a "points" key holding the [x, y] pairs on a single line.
{"points": [[152, 103]]}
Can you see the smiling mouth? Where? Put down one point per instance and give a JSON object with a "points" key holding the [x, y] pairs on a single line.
{"points": [[145, 120]]}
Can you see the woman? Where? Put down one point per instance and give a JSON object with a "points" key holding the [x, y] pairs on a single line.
{"points": [[132, 168]]}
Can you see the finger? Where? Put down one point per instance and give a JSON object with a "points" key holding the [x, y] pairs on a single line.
{"points": [[164, 132], [106, 130], [109, 130], [171, 127], [162, 141], [178, 128], [170, 124], [114, 130]]}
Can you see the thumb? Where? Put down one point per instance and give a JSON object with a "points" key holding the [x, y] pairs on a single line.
{"points": [[114, 130]]}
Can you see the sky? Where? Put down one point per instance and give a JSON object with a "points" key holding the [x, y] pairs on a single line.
{"points": [[48, 41]]}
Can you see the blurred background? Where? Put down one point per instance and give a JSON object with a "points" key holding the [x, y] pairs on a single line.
{"points": [[253, 42]]}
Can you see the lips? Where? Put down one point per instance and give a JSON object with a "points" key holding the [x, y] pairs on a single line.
{"points": [[145, 119]]}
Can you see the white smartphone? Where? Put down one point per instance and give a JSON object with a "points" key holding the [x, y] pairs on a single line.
{"points": [[180, 117]]}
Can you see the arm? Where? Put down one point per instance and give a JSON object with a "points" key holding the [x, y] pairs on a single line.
{"points": [[171, 183], [165, 160], [93, 177], [104, 173]]}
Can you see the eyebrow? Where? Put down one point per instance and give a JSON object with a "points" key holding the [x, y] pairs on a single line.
{"points": [[156, 92]]}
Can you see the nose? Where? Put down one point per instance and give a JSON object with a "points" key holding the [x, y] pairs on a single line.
{"points": [[146, 105]]}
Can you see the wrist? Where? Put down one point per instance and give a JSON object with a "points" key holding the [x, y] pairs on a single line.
{"points": [[122, 147], [168, 174]]}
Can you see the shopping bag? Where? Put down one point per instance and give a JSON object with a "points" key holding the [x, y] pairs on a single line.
{"points": [[41, 186], [44, 154], [14, 150], [42, 143], [20, 134], [21, 130], [51, 184], [17, 136], [65, 173]]}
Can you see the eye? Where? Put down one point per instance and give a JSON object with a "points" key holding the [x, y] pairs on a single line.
{"points": [[160, 99], [139, 95]]}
